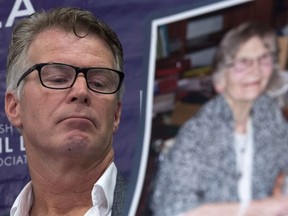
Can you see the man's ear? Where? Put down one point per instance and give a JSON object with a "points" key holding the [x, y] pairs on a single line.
{"points": [[12, 109], [117, 116]]}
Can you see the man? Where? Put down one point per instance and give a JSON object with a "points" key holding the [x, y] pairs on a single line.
{"points": [[64, 95]]}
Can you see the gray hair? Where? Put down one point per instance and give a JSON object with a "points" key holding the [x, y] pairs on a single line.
{"points": [[78, 21], [236, 37]]}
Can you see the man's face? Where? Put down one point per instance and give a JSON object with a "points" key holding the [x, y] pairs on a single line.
{"points": [[71, 122]]}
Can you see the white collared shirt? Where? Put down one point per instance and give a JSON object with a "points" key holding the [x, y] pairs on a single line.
{"points": [[102, 196]]}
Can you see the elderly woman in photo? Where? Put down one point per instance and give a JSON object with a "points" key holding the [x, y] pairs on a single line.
{"points": [[227, 158]]}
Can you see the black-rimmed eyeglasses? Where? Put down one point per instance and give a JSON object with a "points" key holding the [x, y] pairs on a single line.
{"points": [[63, 76]]}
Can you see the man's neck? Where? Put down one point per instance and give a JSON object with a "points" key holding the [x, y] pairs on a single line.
{"points": [[59, 191]]}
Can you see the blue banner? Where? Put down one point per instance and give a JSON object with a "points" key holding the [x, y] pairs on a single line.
{"points": [[131, 20]]}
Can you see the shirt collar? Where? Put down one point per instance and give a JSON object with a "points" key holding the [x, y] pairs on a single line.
{"points": [[23, 202], [102, 194], [103, 190]]}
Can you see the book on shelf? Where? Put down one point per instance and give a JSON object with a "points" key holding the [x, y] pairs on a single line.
{"points": [[163, 103], [170, 66], [166, 84]]}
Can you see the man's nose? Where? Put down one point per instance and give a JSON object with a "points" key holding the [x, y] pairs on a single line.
{"points": [[80, 82], [80, 90]]}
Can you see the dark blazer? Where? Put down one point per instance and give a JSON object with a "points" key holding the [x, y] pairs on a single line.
{"points": [[120, 193]]}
